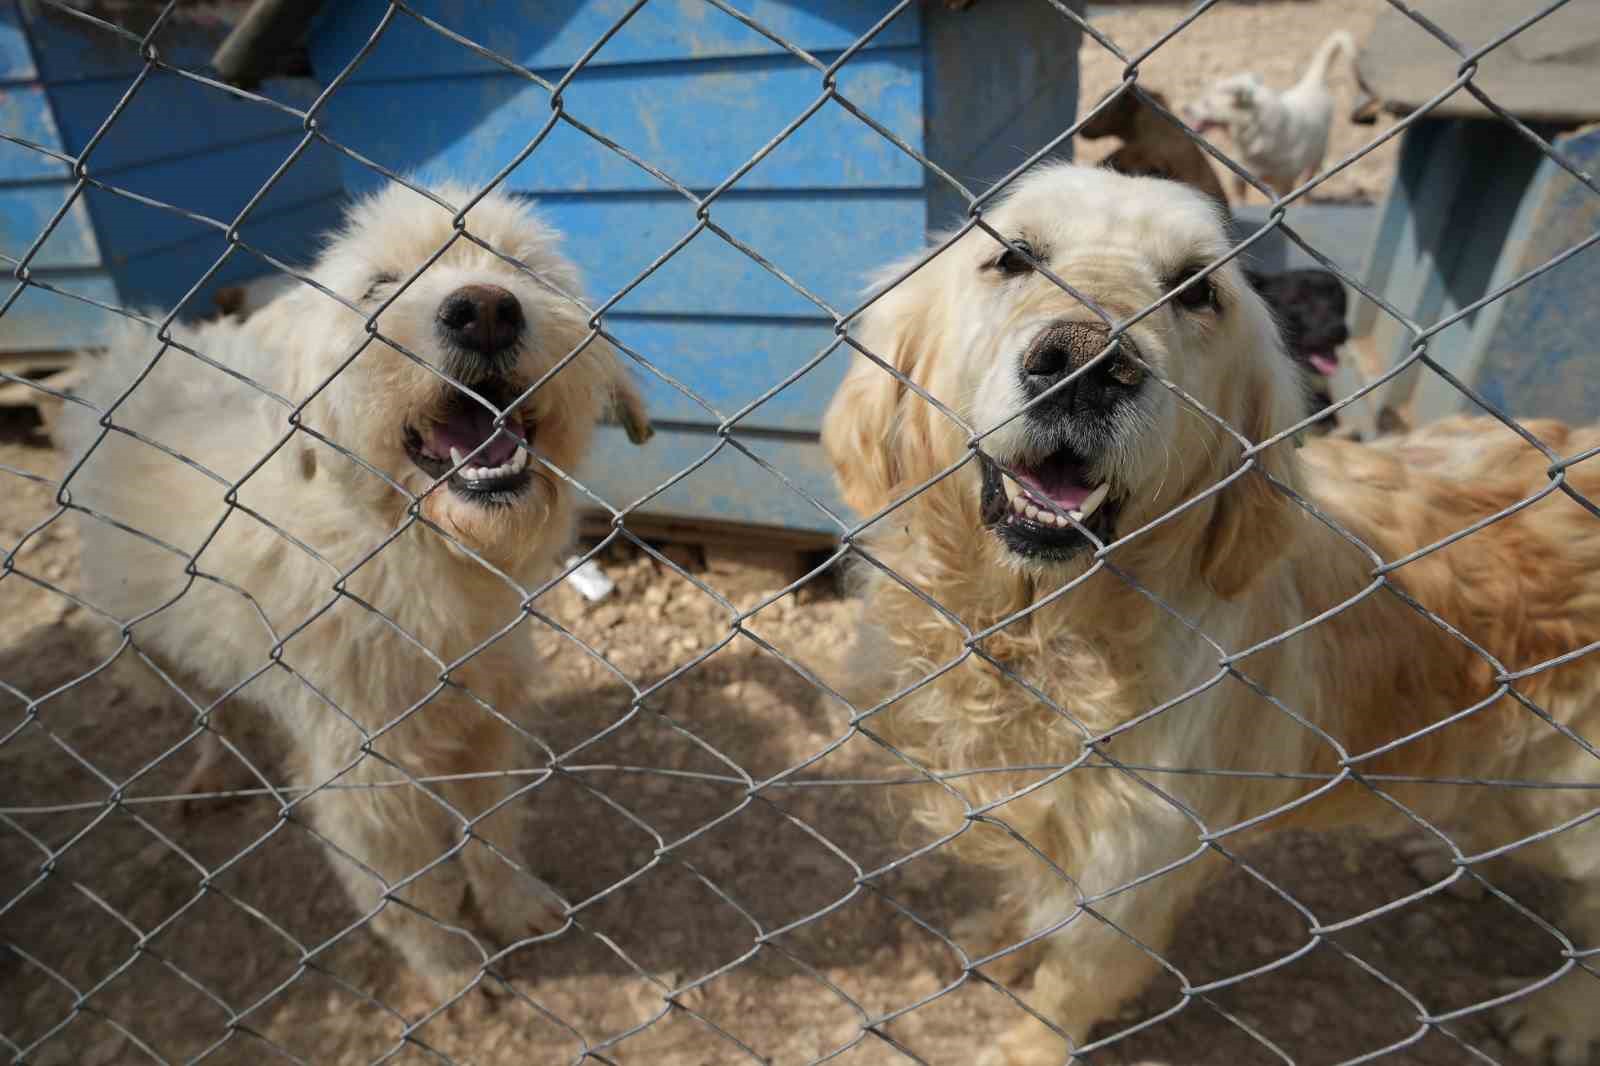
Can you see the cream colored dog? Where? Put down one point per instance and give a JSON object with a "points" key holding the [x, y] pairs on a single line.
{"points": [[384, 644], [1280, 137], [1228, 630]]}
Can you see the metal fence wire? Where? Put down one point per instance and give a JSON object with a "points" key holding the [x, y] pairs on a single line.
{"points": [[100, 971]]}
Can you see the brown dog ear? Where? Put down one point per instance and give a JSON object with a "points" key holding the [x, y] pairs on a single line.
{"points": [[1115, 121], [628, 408], [875, 423], [1254, 520]]}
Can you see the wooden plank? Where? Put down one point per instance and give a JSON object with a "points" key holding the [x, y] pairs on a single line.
{"points": [[25, 113], [729, 488], [1002, 82], [159, 278], [827, 241], [552, 36], [25, 210], [729, 361], [1533, 350], [697, 123], [169, 117], [16, 58], [41, 320], [1547, 71], [67, 48], [217, 184], [594, 525]]}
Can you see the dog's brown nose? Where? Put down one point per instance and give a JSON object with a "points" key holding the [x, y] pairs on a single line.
{"points": [[481, 318], [1065, 347]]}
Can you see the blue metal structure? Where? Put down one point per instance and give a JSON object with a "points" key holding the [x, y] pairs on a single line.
{"points": [[697, 94]]}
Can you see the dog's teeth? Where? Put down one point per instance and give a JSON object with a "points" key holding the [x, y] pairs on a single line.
{"points": [[455, 457], [519, 459], [1032, 512], [1077, 516], [1096, 498], [1019, 503]]}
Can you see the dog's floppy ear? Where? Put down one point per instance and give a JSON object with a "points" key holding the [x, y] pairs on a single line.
{"points": [[1115, 121], [1254, 520], [875, 421], [628, 408]]}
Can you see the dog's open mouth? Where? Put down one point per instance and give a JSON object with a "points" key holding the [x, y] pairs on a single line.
{"points": [[1037, 515], [496, 461]]}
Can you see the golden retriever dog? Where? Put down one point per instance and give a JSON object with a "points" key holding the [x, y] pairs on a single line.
{"points": [[361, 578], [1175, 637]]}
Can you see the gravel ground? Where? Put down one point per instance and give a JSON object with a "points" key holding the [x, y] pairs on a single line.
{"points": [[790, 997], [1229, 39]]}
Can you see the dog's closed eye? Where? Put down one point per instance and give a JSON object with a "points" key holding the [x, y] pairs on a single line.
{"points": [[376, 282], [1201, 296]]}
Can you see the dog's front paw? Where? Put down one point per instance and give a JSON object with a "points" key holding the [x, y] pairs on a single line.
{"points": [[517, 907], [1028, 1044], [1558, 1024]]}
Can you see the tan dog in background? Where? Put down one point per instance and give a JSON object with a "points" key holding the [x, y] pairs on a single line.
{"points": [[1199, 671], [319, 599]]}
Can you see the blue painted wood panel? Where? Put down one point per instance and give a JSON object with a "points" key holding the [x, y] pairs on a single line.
{"points": [[169, 117], [696, 124], [25, 113], [825, 243], [24, 212], [47, 321], [16, 58], [731, 487], [729, 361], [1535, 347], [551, 36]]}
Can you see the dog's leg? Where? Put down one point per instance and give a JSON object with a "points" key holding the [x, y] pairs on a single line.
{"points": [[1096, 962], [1560, 1023], [512, 903], [415, 855]]}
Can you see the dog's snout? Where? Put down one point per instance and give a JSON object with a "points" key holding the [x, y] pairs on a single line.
{"points": [[482, 318], [1066, 347]]}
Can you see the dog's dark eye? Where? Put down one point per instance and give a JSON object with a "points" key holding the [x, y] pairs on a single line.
{"points": [[1202, 295], [377, 282], [1015, 261]]}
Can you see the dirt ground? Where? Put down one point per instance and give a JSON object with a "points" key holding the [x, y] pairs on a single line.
{"points": [[1273, 38], [179, 930]]}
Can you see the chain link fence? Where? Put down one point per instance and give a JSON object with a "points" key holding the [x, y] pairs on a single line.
{"points": [[731, 887]]}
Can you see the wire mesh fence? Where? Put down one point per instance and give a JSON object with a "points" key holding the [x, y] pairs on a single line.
{"points": [[697, 840]]}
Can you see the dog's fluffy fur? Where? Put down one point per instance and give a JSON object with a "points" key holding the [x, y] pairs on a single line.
{"points": [[1310, 307], [1280, 137], [1152, 147], [362, 655], [1370, 684]]}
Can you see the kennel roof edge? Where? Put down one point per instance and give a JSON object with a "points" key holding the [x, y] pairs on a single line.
{"points": [[697, 94]]}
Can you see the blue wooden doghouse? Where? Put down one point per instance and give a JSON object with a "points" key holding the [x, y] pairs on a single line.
{"points": [[697, 93], [177, 141]]}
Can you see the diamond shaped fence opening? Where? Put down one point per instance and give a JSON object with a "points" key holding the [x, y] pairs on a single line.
{"points": [[312, 752]]}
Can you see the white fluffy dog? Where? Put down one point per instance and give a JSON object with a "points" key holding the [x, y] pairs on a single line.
{"points": [[1280, 137], [382, 643], [1253, 663]]}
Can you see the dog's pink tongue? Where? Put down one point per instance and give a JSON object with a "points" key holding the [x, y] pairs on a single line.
{"points": [[1324, 363], [1063, 483], [469, 425]]}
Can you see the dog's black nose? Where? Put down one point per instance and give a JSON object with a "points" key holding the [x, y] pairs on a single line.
{"points": [[482, 318], [1064, 347]]}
